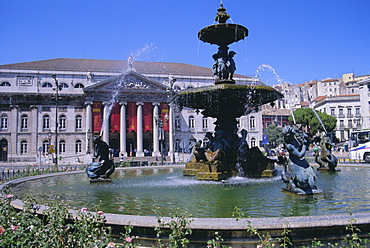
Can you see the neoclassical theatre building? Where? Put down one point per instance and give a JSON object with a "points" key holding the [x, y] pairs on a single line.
{"points": [[51, 110]]}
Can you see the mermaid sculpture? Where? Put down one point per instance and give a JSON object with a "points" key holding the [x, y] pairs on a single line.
{"points": [[298, 175], [324, 157], [100, 171]]}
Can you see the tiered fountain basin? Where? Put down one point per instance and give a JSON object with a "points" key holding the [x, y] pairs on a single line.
{"points": [[135, 194], [227, 98], [223, 33]]}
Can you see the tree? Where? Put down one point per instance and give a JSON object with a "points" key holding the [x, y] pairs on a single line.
{"points": [[307, 118], [275, 135]]}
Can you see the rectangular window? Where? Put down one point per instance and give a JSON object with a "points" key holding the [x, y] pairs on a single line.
{"points": [[62, 123], [205, 123], [4, 122], [23, 147], [78, 123], [24, 122], [78, 147], [341, 123], [177, 122], [349, 112], [62, 147], [46, 123], [191, 122]]}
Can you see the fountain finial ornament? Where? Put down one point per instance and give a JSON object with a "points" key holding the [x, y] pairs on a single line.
{"points": [[222, 16], [223, 34]]}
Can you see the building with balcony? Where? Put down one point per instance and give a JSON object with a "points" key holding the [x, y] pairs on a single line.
{"points": [[347, 110]]}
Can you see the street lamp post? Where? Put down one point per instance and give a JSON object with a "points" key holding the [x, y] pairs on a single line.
{"points": [[88, 141], [48, 148], [171, 81], [159, 123], [57, 88]]}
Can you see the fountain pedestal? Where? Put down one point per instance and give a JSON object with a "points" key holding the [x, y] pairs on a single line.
{"points": [[207, 171]]}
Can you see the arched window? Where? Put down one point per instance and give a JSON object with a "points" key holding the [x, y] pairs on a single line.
{"points": [[78, 146], [205, 123], [252, 121], [79, 85], [78, 122], [62, 146], [46, 122], [23, 147], [4, 121], [191, 122], [45, 146], [5, 84], [47, 85], [24, 122], [63, 85], [62, 122], [253, 142]]}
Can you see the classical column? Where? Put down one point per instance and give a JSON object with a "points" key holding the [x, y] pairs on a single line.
{"points": [[14, 129], [106, 123], [89, 130], [156, 151], [139, 136], [34, 130], [171, 133], [122, 140]]}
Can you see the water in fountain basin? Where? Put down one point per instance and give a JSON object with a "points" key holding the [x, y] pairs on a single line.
{"points": [[142, 191]]}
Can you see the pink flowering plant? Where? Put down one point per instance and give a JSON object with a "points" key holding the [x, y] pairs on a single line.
{"points": [[56, 227], [128, 239]]}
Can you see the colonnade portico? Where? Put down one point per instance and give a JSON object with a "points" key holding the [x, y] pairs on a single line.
{"points": [[139, 127]]}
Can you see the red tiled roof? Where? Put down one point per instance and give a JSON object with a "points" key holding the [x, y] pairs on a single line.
{"points": [[319, 98]]}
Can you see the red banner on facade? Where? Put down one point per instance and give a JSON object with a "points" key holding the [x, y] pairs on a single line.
{"points": [[148, 117], [96, 116], [115, 118], [132, 117], [165, 116]]}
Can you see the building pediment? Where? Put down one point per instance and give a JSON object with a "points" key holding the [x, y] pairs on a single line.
{"points": [[127, 82], [130, 86]]}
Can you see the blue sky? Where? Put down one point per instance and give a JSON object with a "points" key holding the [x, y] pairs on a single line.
{"points": [[301, 39]]}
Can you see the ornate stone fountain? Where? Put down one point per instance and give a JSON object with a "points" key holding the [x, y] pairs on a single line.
{"points": [[226, 153]]}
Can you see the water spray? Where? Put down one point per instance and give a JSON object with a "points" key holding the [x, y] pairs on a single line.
{"points": [[263, 67]]}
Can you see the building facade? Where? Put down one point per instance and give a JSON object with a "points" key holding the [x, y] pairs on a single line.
{"points": [[51, 110]]}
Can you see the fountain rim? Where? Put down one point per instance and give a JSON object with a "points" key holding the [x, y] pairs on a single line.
{"points": [[216, 224], [204, 32], [226, 86]]}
